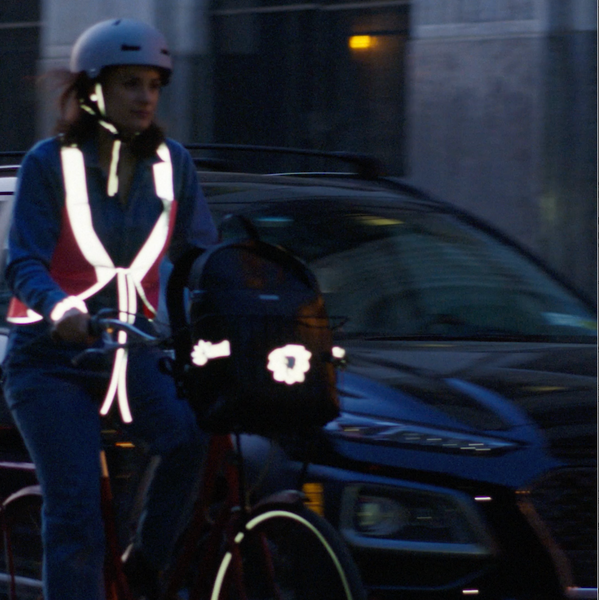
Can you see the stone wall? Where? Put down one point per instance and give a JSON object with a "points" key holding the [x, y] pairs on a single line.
{"points": [[502, 119]]}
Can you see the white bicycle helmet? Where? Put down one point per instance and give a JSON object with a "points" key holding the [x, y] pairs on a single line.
{"points": [[120, 42], [111, 43]]}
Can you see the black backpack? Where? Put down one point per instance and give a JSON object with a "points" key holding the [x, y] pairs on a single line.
{"points": [[254, 351]]}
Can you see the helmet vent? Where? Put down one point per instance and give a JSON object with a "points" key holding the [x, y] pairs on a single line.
{"points": [[127, 48], [165, 51]]}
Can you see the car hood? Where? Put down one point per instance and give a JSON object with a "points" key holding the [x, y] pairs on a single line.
{"points": [[538, 393]]}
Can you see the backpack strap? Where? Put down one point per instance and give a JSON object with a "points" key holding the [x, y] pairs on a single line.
{"points": [[175, 289]]}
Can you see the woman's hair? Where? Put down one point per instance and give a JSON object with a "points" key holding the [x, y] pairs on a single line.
{"points": [[75, 125]]}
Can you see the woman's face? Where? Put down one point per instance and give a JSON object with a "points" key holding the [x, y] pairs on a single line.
{"points": [[131, 94]]}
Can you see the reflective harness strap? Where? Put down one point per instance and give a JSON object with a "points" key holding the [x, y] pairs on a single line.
{"points": [[30, 317], [129, 279]]}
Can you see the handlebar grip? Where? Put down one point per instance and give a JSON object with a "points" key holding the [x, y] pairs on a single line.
{"points": [[106, 322]]}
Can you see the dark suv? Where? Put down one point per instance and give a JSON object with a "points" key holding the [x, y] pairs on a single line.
{"points": [[464, 461]]}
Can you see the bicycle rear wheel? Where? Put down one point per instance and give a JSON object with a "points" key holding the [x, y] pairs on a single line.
{"points": [[21, 561], [287, 552]]}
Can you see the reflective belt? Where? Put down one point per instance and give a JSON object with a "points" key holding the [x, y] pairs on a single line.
{"points": [[129, 279]]}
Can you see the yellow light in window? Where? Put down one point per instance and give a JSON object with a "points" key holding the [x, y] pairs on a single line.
{"points": [[361, 42]]}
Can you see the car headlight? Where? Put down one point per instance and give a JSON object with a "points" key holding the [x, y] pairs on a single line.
{"points": [[415, 519], [387, 431], [378, 516]]}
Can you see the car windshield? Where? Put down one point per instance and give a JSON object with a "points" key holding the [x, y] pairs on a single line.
{"points": [[420, 273]]}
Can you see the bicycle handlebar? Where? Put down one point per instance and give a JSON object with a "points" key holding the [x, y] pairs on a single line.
{"points": [[107, 328], [100, 326]]}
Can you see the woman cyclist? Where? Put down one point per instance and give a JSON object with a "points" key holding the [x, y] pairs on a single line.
{"points": [[97, 209]]}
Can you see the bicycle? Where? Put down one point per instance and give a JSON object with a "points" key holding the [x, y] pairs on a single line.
{"points": [[232, 548]]}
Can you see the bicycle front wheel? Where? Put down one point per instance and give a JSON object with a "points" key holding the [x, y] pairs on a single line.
{"points": [[287, 552]]}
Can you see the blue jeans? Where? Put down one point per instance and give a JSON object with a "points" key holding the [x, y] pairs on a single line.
{"points": [[55, 405]]}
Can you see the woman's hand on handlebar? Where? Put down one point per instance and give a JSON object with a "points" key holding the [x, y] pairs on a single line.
{"points": [[82, 327], [73, 327]]}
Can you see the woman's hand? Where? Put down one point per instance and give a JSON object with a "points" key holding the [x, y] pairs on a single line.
{"points": [[73, 327]]}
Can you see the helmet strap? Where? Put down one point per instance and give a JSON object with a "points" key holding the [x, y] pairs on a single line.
{"points": [[97, 96], [113, 178], [98, 110]]}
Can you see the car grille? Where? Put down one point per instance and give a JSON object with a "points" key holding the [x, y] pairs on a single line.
{"points": [[562, 509]]}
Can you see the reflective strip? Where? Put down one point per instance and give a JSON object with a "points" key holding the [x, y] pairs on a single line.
{"points": [[98, 98], [204, 351], [289, 364], [80, 217], [129, 280], [65, 305], [163, 175], [31, 317], [113, 178], [220, 576], [288, 514], [127, 299], [147, 256]]}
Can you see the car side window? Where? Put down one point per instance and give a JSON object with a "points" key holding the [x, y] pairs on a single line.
{"points": [[419, 273]]}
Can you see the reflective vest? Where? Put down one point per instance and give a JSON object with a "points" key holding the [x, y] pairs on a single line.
{"points": [[94, 267]]}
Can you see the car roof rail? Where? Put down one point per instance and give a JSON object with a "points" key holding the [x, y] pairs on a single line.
{"points": [[365, 166]]}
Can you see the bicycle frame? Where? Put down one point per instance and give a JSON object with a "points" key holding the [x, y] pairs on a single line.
{"points": [[220, 461], [224, 458], [115, 582], [217, 519]]}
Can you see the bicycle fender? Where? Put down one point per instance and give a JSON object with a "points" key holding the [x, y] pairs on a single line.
{"points": [[31, 490]]}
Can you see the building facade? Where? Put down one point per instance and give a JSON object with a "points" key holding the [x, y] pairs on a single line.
{"points": [[489, 103], [502, 119]]}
